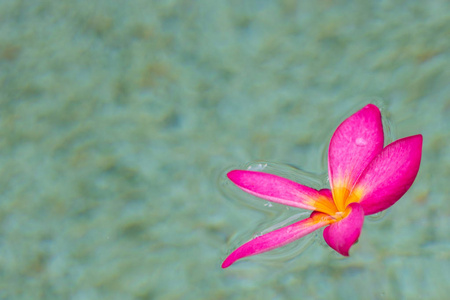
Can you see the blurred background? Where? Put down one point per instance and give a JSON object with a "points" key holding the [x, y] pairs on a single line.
{"points": [[118, 119]]}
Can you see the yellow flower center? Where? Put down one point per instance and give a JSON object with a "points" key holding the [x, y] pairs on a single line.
{"points": [[342, 198]]}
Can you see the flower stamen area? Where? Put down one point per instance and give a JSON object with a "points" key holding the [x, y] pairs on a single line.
{"points": [[340, 194], [341, 214]]}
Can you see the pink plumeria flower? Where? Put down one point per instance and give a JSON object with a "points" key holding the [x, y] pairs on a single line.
{"points": [[365, 178]]}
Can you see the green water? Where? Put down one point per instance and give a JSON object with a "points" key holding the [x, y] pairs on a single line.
{"points": [[117, 119]]}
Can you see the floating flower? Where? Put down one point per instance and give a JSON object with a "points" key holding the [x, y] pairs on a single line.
{"points": [[365, 178]]}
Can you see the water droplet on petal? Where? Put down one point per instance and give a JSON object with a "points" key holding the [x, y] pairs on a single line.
{"points": [[360, 142]]}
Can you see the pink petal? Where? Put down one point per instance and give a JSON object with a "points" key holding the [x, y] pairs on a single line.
{"points": [[389, 175], [278, 238], [281, 190], [327, 193], [344, 233], [328, 196], [353, 145]]}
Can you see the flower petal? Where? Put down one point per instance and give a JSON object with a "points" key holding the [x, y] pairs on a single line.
{"points": [[281, 190], [353, 145], [278, 238], [327, 193], [389, 175], [342, 234]]}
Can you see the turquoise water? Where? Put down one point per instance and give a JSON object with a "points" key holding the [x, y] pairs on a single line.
{"points": [[118, 119]]}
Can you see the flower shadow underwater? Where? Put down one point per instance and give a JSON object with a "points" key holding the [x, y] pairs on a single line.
{"points": [[365, 178]]}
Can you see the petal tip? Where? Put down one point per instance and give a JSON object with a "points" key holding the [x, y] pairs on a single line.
{"points": [[226, 264], [232, 174], [342, 249], [231, 259], [372, 110], [372, 106], [419, 138], [344, 252]]}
